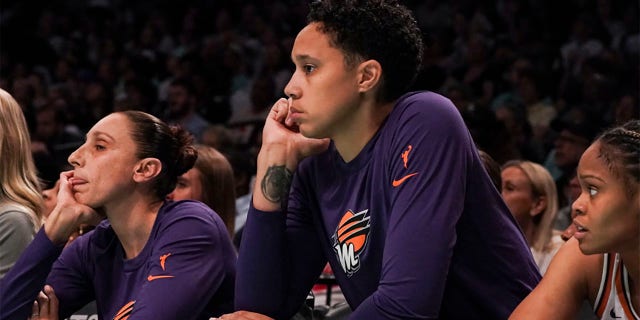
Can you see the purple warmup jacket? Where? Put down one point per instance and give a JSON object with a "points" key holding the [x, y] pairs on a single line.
{"points": [[413, 228], [185, 271]]}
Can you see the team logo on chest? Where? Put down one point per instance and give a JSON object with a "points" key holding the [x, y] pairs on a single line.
{"points": [[350, 239]]}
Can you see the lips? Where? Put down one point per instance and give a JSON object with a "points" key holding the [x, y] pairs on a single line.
{"points": [[581, 231]]}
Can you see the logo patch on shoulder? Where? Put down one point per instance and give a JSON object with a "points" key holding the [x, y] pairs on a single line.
{"points": [[350, 239]]}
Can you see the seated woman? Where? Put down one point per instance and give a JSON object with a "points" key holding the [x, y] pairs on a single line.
{"points": [[530, 193], [150, 259], [20, 199], [210, 181], [601, 262]]}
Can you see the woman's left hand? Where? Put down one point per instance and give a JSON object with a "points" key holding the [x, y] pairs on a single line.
{"points": [[46, 306]]}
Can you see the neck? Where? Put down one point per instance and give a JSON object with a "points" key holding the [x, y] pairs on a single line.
{"points": [[631, 260], [357, 134], [132, 222]]}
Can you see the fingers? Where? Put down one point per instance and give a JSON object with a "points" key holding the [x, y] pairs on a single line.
{"points": [[280, 109], [43, 303], [53, 300], [35, 311]]}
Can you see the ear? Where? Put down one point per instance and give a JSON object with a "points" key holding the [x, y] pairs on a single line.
{"points": [[146, 169], [369, 75], [539, 206]]}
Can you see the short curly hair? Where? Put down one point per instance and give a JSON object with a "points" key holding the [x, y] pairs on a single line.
{"points": [[382, 30]]}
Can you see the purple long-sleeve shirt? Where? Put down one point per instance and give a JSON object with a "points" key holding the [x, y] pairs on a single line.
{"points": [[185, 271], [412, 228]]}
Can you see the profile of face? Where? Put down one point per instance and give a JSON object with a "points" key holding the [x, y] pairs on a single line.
{"points": [[607, 216], [188, 187], [104, 166], [322, 88], [517, 192], [50, 197]]}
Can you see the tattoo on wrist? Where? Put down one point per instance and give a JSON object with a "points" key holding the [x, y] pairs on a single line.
{"points": [[275, 184]]}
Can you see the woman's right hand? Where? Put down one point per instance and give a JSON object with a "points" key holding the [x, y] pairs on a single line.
{"points": [[280, 130], [68, 214]]}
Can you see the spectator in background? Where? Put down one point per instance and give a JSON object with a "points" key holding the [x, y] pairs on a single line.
{"points": [[575, 130], [244, 170], [530, 193], [20, 199], [211, 182], [182, 105], [58, 139]]}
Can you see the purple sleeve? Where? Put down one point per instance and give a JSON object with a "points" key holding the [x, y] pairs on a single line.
{"points": [[199, 258], [421, 231], [20, 286], [280, 259]]}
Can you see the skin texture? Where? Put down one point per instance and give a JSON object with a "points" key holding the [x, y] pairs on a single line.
{"points": [[106, 158], [604, 208]]}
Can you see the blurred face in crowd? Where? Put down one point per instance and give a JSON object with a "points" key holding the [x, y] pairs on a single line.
{"points": [[180, 101], [517, 193], [569, 148], [188, 187]]}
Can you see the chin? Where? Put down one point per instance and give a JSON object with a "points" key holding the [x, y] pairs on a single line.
{"points": [[588, 250]]}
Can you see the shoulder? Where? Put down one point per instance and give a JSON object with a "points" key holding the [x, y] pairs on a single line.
{"points": [[188, 212], [570, 278], [426, 111], [14, 218]]}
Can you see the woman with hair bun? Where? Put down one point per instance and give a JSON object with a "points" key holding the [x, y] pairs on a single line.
{"points": [[150, 258]]}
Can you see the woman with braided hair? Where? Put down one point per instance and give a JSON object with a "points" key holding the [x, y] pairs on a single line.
{"points": [[601, 263]]}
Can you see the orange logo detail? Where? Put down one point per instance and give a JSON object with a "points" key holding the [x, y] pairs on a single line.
{"points": [[125, 311], [405, 159], [151, 277], [350, 239], [405, 155], [400, 181], [163, 258]]}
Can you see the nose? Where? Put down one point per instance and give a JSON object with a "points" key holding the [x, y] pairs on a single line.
{"points": [[578, 207], [170, 196], [292, 89], [74, 157]]}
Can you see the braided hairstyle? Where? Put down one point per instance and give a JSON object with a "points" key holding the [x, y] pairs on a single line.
{"points": [[172, 145], [620, 149]]}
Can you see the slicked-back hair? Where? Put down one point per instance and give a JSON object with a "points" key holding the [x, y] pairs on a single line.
{"points": [[172, 145]]}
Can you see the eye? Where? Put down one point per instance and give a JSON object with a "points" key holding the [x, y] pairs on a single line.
{"points": [[308, 68], [99, 147], [592, 191]]}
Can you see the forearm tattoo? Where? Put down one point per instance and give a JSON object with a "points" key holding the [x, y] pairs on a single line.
{"points": [[275, 184]]}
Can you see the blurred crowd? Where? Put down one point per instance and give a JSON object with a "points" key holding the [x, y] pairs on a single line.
{"points": [[534, 80]]}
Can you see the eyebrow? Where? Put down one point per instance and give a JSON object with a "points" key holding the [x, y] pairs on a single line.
{"points": [[299, 57], [590, 176], [100, 134]]}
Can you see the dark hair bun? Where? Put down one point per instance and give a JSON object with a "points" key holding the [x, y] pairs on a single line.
{"points": [[187, 154]]}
